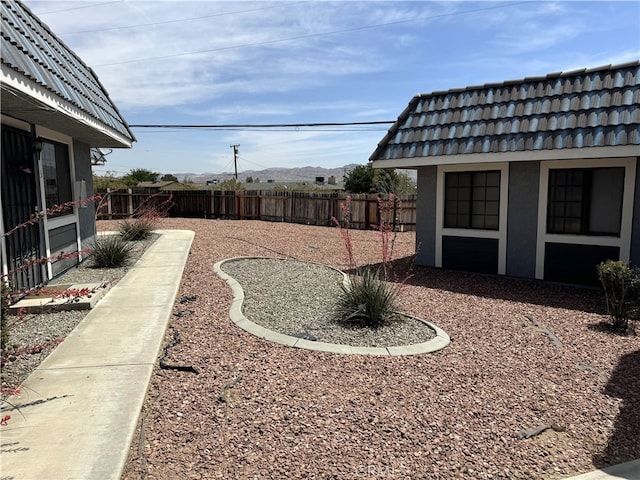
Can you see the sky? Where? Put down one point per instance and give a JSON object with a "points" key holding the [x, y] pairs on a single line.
{"points": [[212, 62]]}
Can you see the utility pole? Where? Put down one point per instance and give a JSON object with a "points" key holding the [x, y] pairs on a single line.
{"points": [[235, 158]]}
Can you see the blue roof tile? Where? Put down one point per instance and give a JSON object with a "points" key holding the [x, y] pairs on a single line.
{"points": [[583, 108]]}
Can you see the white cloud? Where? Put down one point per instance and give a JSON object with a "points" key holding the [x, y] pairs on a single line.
{"points": [[184, 62], [276, 62]]}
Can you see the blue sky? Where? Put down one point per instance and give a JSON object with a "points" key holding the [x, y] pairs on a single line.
{"points": [[287, 62]]}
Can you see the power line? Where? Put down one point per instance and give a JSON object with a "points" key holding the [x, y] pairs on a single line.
{"points": [[264, 125], [202, 17], [312, 35], [78, 8]]}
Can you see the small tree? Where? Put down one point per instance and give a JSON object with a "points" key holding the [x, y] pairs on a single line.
{"points": [[360, 179], [249, 179], [167, 177], [137, 175], [366, 179], [404, 184]]}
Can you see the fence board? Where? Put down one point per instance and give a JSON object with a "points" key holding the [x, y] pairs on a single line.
{"points": [[309, 208]]}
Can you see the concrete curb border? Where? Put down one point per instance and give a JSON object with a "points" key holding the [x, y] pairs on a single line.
{"points": [[440, 341]]}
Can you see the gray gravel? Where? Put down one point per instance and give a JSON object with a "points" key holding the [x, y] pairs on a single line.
{"points": [[297, 298]]}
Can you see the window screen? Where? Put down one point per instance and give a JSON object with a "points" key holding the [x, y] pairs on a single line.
{"points": [[472, 200], [57, 175], [585, 201]]}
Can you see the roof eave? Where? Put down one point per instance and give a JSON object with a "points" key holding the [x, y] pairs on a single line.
{"points": [[521, 156], [29, 102]]}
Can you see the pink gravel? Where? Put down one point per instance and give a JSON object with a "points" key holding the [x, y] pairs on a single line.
{"points": [[262, 410]]}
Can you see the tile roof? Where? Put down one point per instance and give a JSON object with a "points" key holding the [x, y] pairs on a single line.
{"points": [[31, 49], [582, 108]]}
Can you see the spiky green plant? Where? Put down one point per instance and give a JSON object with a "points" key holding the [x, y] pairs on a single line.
{"points": [[111, 251], [367, 301], [134, 229]]}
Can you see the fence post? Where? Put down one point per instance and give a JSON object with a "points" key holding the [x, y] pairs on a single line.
{"points": [[129, 201], [109, 206]]}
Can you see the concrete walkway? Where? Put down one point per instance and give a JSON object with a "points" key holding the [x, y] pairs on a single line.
{"points": [[623, 471], [81, 406]]}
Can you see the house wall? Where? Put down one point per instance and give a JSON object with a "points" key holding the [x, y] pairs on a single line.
{"points": [[635, 232], [522, 220], [426, 216], [87, 213]]}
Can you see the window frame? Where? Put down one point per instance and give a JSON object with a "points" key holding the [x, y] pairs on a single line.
{"points": [[58, 187], [623, 241], [500, 234], [49, 222], [474, 193], [578, 207]]}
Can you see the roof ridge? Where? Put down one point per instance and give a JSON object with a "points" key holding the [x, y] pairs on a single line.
{"points": [[538, 78]]}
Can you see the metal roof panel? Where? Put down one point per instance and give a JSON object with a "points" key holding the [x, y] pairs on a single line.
{"points": [[31, 49]]}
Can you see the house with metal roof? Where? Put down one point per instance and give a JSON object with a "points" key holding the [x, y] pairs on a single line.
{"points": [[54, 113], [534, 178]]}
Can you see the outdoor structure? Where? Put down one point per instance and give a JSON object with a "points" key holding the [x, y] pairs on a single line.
{"points": [[54, 112], [533, 178]]}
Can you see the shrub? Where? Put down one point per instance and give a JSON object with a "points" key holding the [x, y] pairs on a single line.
{"points": [[371, 299], [134, 229], [146, 217], [368, 300], [621, 285], [111, 251]]}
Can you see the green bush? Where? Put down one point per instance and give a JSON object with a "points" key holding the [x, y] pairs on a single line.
{"points": [[111, 251], [621, 285], [368, 301], [134, 229]]}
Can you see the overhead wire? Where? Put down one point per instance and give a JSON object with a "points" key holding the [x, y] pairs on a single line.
{"points": [[261, 125], [166, 22], [78, 8], [313, 35]]}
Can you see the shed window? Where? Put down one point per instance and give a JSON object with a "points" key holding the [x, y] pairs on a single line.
{"points": [[585, 201], [57, 175], [472, 200]]}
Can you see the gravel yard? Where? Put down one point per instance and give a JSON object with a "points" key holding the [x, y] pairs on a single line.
{"points": [[262, 410], [43, 331]]}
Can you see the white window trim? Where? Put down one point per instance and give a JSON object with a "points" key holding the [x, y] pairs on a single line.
{"points": [[500, 234], [57, 222], [623, 242]]}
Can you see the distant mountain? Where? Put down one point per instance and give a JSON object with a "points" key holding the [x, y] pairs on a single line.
{"points": [[298, 174]]}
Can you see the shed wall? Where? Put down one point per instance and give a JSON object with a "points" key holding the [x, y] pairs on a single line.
{"points": [[635, 228], [426, 216], [522, 218]]}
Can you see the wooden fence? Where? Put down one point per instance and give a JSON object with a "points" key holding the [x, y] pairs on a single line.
{"points": [[310, 208]]}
